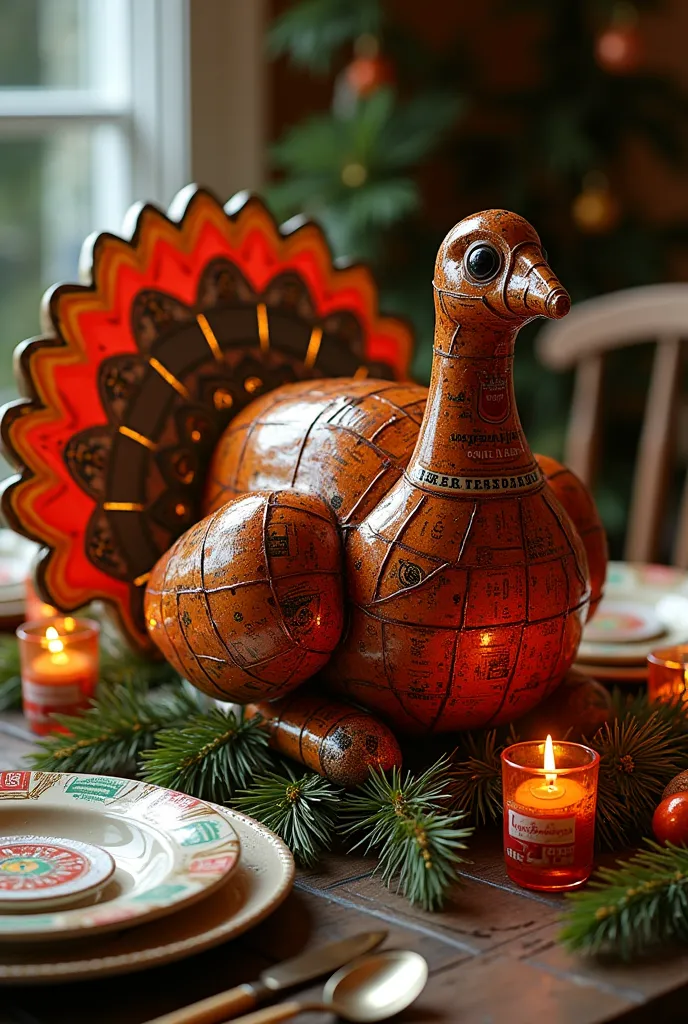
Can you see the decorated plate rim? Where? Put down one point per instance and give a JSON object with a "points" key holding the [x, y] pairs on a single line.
{"points": [[124, 963], [190, 877]]}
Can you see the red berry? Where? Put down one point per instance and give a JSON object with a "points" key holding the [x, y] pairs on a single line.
{"points": [[670, 820], [365, 75], [619, 50]]}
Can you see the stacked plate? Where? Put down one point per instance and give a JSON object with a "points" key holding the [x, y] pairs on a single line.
{"points": [[644, 607], [16, 556], [89, 857]]}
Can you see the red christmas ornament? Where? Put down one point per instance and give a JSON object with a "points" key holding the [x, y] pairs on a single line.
{"points": [[619, 50], [365, 75], [670, 820]]}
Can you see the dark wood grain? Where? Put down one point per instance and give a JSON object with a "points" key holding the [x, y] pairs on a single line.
{"points": [[493, 953]]}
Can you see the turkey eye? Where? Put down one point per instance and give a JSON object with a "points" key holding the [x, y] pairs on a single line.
{"points": [[482, 262]]}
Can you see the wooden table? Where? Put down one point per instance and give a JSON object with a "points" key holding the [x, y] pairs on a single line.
{"points": [[492, 953]]}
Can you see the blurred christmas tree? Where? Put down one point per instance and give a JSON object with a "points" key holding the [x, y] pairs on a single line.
{"points": [[552, 150]]}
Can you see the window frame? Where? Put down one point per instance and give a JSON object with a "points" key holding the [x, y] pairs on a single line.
{"points": [[138, 105]]}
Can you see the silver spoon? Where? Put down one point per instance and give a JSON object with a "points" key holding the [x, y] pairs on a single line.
{"points": [[372, 988]]}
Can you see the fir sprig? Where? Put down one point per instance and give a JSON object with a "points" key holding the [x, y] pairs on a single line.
{"points": [[10, 674], [301, 809], [476, 782], [214, 754], [406, 821], [633, 907], [637, 759], [108, 738]]}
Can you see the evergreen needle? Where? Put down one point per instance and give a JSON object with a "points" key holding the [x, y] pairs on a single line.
{"points": [[638, 757], [10, 674], [476, 781], [407, 822], [10, 693], [211, 756], [638, 905], [108, 738], [302, 810]]}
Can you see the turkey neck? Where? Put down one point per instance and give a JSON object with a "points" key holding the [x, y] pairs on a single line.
{"points": [[471, 439]]}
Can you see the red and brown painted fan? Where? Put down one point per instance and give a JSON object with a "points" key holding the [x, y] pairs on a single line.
{"points": [[140, 370]]}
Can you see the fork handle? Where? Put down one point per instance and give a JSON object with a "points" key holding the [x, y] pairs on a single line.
{"points": [[214, 1009], [283, 1011]]}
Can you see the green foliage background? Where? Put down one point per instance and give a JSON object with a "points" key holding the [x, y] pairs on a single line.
{"points": [[574, 121]]}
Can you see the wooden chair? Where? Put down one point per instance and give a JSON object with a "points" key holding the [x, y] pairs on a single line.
{"points": [[653, 313]]}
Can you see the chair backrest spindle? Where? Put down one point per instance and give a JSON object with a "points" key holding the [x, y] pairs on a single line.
{"points": [[593, 328]]}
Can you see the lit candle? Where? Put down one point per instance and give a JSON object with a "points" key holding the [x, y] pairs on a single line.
{"points": [[667, 673], [59, 669], [549, 813]]}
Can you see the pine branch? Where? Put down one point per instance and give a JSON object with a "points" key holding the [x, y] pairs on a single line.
{"points": [[673, 713], [10, 674], [634, 907], [10, 693], [476, 780], [637, 759], [214, 754], [108, 738], [418, 840], [303, 811], [312, 31]]}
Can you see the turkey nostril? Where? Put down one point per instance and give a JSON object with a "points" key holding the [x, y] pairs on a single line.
{"points": [[558, 304]]}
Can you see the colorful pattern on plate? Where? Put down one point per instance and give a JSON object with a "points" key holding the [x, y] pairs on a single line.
{"points": [[658, 595], [169, 849], [32, 865], [262, 881]]}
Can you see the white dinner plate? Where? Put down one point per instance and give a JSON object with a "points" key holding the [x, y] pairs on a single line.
{"points": [[169, 849], [644, 607], [261, 882]]}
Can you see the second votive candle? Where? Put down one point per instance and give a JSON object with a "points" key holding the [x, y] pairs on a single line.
{"points": [[550, 800], [59, 669]]}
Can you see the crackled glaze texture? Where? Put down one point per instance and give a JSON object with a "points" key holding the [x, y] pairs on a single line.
{"points": [[337, 741], [247, 604], [467, 583]]}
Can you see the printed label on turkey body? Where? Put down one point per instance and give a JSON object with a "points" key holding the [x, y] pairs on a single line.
{"points": [[502, 484]]}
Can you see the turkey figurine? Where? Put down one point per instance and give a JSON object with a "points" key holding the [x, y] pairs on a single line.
{"points": [[402, 545]]}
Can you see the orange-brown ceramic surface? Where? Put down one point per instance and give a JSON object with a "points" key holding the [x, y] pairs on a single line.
{"points": [[580, 505], [347, 441], [466, 580], [339, 741], [247, 604]]}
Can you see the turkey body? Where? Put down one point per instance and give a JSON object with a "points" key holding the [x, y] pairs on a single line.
{"points": [[424, 562], [466, 583]]}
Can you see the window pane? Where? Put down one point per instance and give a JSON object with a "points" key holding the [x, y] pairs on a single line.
{"points": [[45, 214], [42, 42]]}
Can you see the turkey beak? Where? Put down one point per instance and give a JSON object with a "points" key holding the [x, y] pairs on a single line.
{"points": [[534, 290]]}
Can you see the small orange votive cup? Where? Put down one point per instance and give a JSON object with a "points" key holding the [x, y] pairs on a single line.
{"points": [[667, 673], [549, 815], [59, 661]]}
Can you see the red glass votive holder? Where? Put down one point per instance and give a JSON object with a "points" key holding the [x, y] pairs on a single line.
{"points": [[59, 669], [549, 815], [667, 673]]}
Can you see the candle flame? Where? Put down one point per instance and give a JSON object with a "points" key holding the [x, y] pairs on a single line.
{"points": [[550, 765], [70, 624], [55, 645]]}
